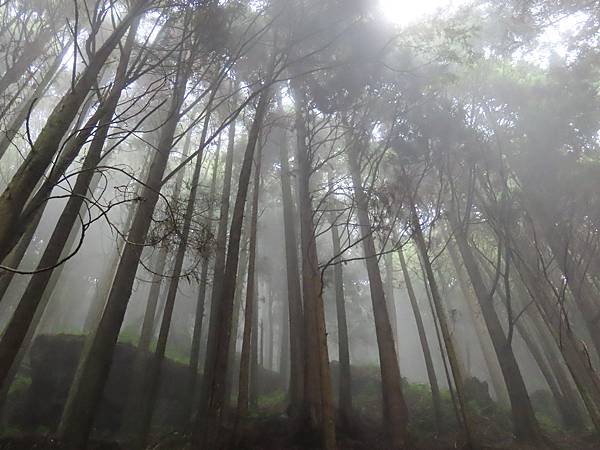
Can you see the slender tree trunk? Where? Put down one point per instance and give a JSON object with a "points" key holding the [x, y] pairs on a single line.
{"points": [[389, 294], [215, 374], [255, 351], [270, 335], [453, 358], [435, 390], [525, 424], [318, 393], [152, 377], [394, 407], [20, 187], [251, 300], [16, 331], [567, 406], [17, 121], [345, 392], [94, 364], [294, 295], [483, 334], [221, 244], [574, 354]]}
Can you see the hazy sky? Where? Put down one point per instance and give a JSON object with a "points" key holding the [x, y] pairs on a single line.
{"points": [[406, 11]]}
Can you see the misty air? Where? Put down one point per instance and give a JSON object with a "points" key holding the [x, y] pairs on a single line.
{"points": [[299, 225]]}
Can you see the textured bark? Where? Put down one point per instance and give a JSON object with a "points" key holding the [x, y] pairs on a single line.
{"points": [[440, 312], [345, 392], [483, 334], [95, 361], [390, 298], [435, 390], [318, 394], [574, 354], [19, 118], [394, 407], [566, 401], [16, 331], [221, 244], [20, 187], [525, 424], [138, 386], [151, 378], [251, 300], [212, 402], [294, 294]]}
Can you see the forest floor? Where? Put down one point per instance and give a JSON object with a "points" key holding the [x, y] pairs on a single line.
{"points": [[37, 397]]}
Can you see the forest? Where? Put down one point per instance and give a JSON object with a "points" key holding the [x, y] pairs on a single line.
{"points": [[299, 224]]}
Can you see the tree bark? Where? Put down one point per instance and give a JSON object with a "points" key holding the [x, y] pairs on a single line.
{"points": [[525, 424], [318, 395], [345, 381], [251, 300], [95, 361], [294, 294], [213, 392], [433, 383], [20, 187]]}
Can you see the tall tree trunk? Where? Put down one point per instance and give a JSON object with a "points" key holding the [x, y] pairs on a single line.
{"points": [[435, 390], [345, 383], [94, 364], [16, 331], [318, 393], [270, 331], [574, 354], [17, 121], [20, 187], [433, 290], [390, 298], [138, 387], [221, 245], [525, 424], [567, 406], [213, 392], [255, 350], [483, 334], [151, 379], [294, 294], [394, 407], [251, 300]]}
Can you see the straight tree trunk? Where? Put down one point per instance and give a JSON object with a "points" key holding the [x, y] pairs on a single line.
{"points": [[394, 406], [575, 356], [255, 351], [483, 334], [345, 392], [525, 424], [19, 119], [17, 329], [151, 378], [94, 364], [251, 300], [318, 393], [215, 374], [389, 294], [294, 296], [453, 358], [221, 244], [20, 187], [435, 390]]}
